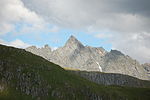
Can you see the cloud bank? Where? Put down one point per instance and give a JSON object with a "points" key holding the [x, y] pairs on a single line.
{"points": [[16, 43]]}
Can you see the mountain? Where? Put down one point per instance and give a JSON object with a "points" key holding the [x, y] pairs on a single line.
{"points": [[147, 68], [86, 58], [25, 76]]}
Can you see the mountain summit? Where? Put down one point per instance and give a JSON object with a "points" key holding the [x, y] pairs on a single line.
{"points": [[72, 39], [75, 55], [72, 42]]}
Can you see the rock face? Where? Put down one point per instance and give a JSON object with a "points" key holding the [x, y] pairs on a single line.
{"points": [[44, 52], [147, 68], [77, 56], [113, 79], [116, 62]]}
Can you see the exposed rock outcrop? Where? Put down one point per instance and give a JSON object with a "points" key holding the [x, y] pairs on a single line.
{"points": [[44, 51], [113, 79], [147, 68]]}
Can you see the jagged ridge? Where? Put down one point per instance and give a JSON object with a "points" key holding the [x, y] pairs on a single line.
{"points": [[77, 56]]}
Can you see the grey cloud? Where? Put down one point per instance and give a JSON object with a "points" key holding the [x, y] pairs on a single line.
{"points": [[116, 15]]}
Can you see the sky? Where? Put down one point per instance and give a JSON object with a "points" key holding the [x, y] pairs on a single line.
{"points": [[112, 24]]}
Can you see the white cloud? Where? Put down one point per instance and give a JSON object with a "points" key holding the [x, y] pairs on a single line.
{"points": [[54, 29], [103, 35], [5, 28], [16, 43], [13, 12]]}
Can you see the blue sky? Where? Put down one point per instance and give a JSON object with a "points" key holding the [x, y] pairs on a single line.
{"points": [[112, 24]]}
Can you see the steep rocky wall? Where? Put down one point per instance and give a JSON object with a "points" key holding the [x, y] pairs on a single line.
{"points": [[113, 79], [147, 68]]}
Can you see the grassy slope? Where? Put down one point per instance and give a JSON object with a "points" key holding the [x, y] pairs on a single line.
{"points": [[68, 85]]}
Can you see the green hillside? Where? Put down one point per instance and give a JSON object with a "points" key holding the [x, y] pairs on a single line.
{"points": [[24, 76]]}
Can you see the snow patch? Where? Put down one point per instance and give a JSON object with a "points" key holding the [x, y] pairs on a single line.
{"points": [[54, 48], [100, 68]]}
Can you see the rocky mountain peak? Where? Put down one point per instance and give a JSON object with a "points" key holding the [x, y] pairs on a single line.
{"points": [[73, 42], [146, 66], [32, 47], [46, 46], [116, 52]]}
